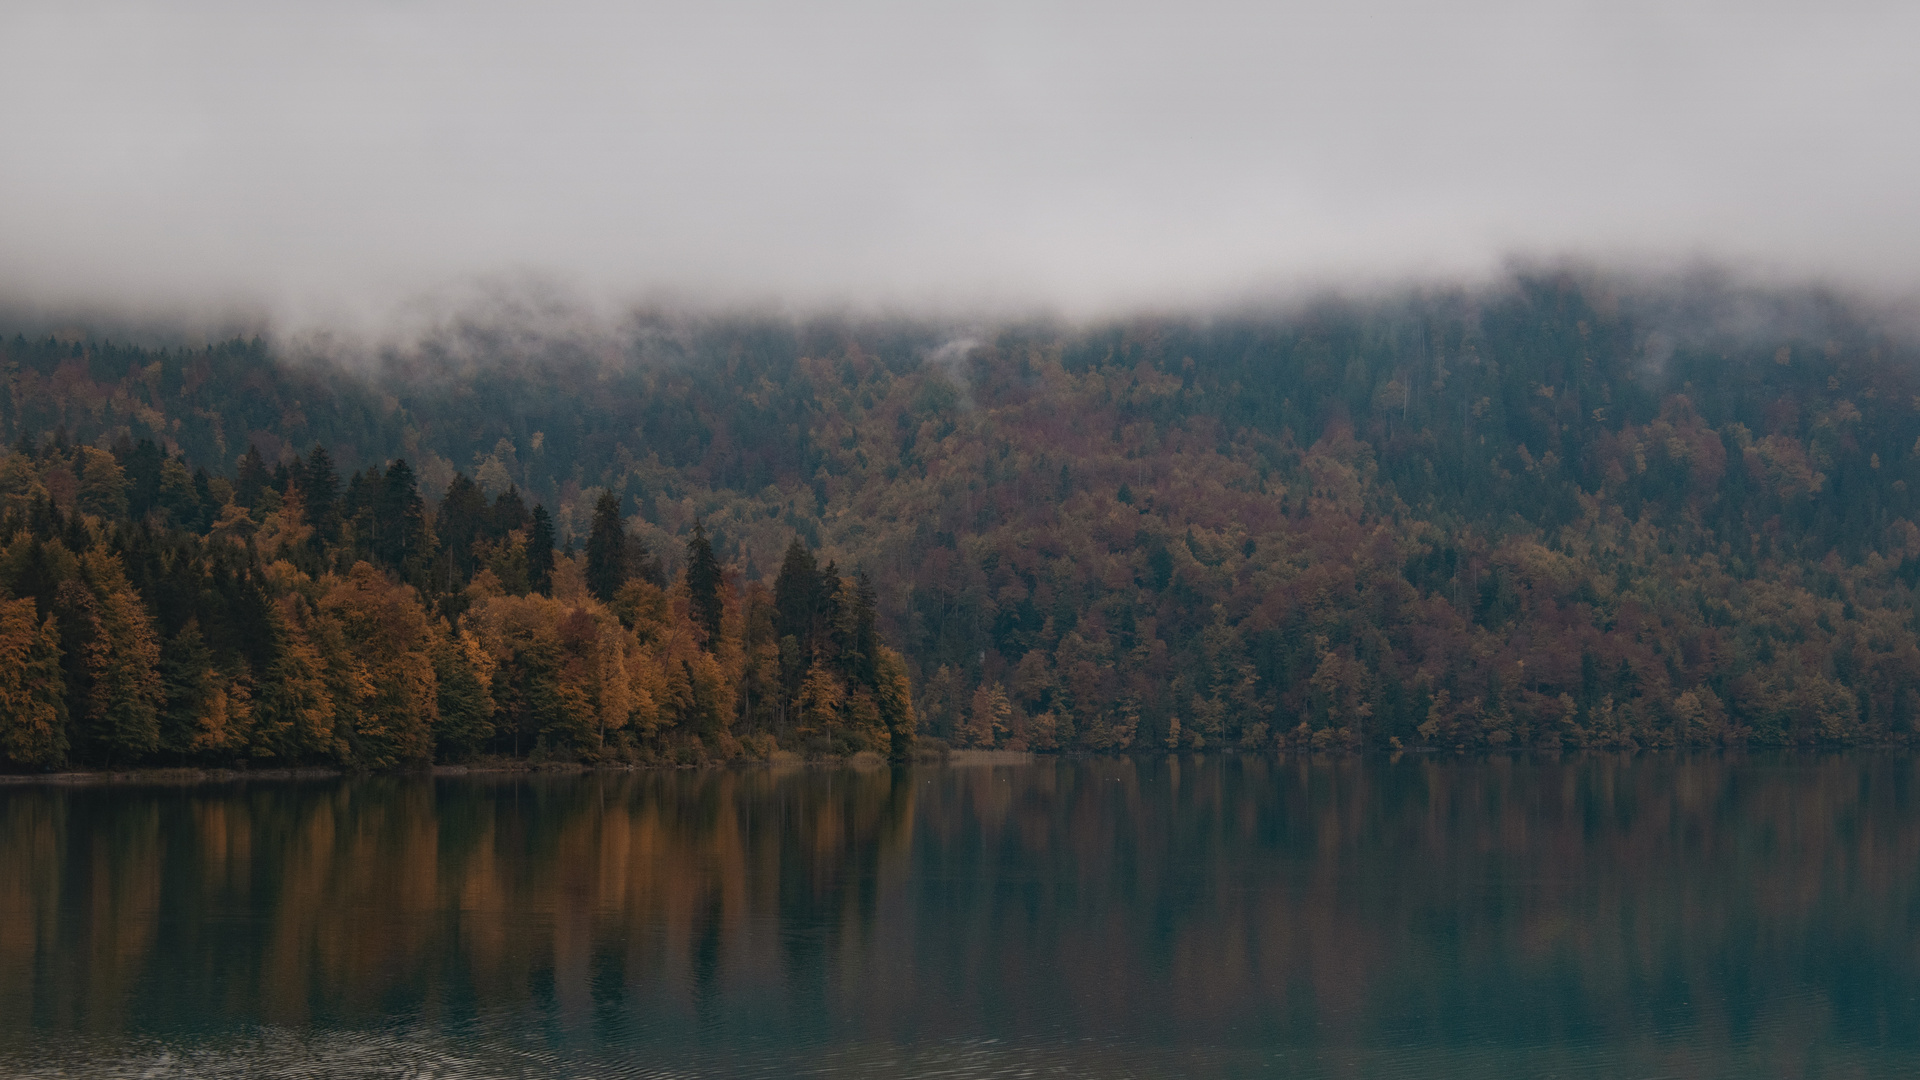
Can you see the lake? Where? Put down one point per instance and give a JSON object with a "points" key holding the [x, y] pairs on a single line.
{"points": [[1222, 916]]}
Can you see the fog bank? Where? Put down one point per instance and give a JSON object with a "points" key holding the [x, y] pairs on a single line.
{"points": [[355, 163]]}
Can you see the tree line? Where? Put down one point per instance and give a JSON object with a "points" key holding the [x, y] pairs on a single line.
{"points": [[1561, 510], [152, 613]]}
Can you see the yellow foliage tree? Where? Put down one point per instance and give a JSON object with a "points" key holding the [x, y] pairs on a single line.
{"points": [[33, 709]]}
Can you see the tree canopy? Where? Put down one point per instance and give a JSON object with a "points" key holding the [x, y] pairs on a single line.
{"points": [[1561, 510]]}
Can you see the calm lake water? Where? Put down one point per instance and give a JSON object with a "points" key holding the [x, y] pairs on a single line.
{"points": [[1213, 917]]}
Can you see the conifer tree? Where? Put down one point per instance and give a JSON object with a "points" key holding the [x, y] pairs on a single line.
{"points": [[126, 690], [76, 537], [795, 598], [404, 543], [360, 513], [186, 679], [322, 487], [142, 464], [540, 552], [294, 709], [606, 548], [252, 478], [509, 512], [703, 586], [466, 710], [461, 522]]}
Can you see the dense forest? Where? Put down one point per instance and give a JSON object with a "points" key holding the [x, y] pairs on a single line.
{"points": [[1566, 510], [156, 615]]}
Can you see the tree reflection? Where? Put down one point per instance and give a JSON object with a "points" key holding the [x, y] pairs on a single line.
{"points": [[1217, 900]]}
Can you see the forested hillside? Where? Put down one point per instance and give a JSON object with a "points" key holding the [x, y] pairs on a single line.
{"points": [[1563, 511]]}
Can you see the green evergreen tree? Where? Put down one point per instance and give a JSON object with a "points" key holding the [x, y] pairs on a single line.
{"points": [[142, 463], [866, 630], [466, 712], [186, 679], [606, 548], [704, 580], [401, 536], [461, 523], [360, 516], [796, 595], [126, 691], [252, 478], [540, 552], [321, 486], [509, 512]]}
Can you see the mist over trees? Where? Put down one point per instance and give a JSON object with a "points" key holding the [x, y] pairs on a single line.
{"points": [[1557, 512]]}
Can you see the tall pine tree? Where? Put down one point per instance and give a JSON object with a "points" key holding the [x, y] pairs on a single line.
{"points": [[795, 599], [795, 594], [461, 522], [403, 544], [321, 485], [703, 585], [253, 477], [606, 548], [540, 552]]}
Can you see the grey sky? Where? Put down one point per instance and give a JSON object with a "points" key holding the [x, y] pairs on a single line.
{"points": [[349, 157]]}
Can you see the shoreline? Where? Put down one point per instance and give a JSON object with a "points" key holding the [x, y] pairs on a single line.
{"points": [[191, 776]]}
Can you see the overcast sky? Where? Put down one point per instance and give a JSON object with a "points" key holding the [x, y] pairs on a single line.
{"points": [[340, 155]]}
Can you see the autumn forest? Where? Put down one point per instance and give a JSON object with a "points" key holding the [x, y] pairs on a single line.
{"points": [[1561, 511]]}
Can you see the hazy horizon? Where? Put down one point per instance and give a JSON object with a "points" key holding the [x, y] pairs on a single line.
{"points": [[363, 165]]}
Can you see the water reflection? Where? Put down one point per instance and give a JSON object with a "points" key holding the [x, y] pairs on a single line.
{"points": [[1212, 916]]}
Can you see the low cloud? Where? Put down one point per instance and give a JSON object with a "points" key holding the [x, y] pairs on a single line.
{"points": [[362, 164]]}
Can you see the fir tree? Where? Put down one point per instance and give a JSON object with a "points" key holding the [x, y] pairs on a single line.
{"points": [[186, 680], [322, 486], [606, 548], [252, 478], [466, 711], [795, 595], [509, 512], [703, 585], [461, 523], [402, 543], [143, 463], [540, 552]]}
